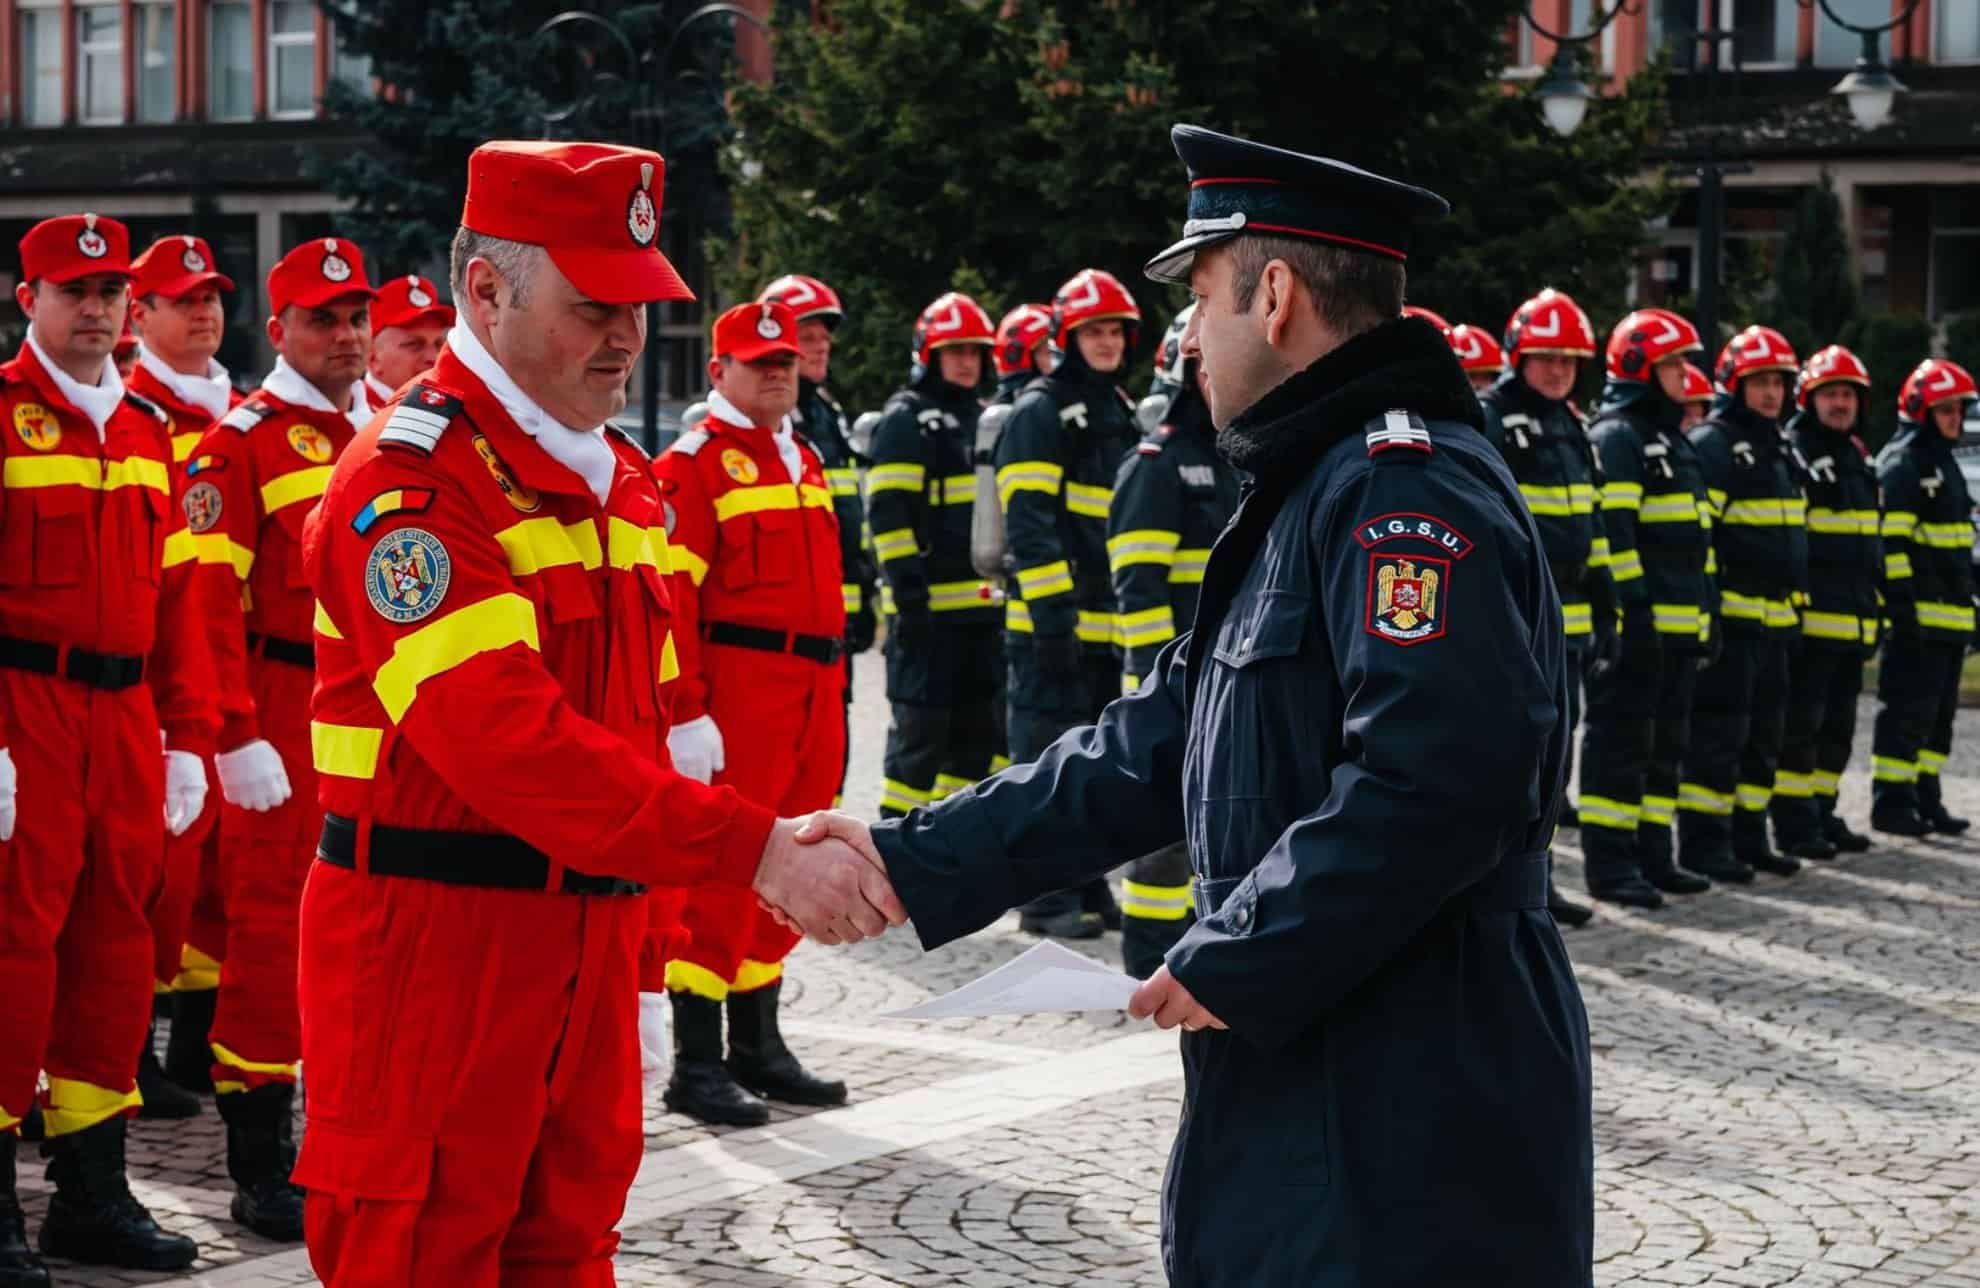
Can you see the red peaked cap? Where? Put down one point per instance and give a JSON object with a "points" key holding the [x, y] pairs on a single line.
{"points": [[595, 207], [751, 331], [71, 246]]}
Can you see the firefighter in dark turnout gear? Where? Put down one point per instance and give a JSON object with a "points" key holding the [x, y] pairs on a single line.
{"points": [[1754, 478], [1173, 496], [1528, 418], [1056, 464], [1840, 614], [944, 636], [1654, 514], [1928, 595]]}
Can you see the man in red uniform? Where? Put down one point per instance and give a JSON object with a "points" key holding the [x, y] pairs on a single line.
{"points": [[493, 629], [261, 470], [177, 314], [94, 599], [758, 577], [408, 325]]}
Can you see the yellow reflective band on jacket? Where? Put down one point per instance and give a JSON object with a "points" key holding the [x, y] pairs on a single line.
{"points": [[1678, 507], [1142, 546], [1842, 523], [183, 444], [181, 547], [1658, 810], [1155, 903], [1696, 798], [85, 472], [1945, 536], [1886, 769], [1897, 566], [1899, 524], [699, 981], [1782, 615], [1088, 501], [752, 975], [1189, 566], [1930, 762], [75, 1106], [854, 595], [630, 546], [886, 598], [535, 544], [843, 481], [1716, 497], [1766, 512], [1751, 608], [322, 624], [1148, 627], [685, 560], [1602, 811], [894, 477], [1676, 619], [1824, 783], [1627, 566], [1542, 499], [897, 544], [1792, 785], [1945, 617], [1598, 553], [1094, 628], [1577, 619], [1029, 476], [956, 489], [298, 485], [1753, 796], [739, 501], [954, 596], [486, 626], [1838, 626], [1046, 580], [1622, 496], [900, 796], [348, 751]]}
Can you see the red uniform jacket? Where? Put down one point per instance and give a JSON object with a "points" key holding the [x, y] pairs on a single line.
{"points": [[186, 423], [96, 556], [750, 548], [491, 647]]}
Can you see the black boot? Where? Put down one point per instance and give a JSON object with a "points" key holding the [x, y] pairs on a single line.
{"points": [[92, 1217], [261, 1153], [1840, 834], [19, 1267], [1798, 828], [1932, 808], [759, 1060], [163, 1098], [1566, 911], [1146, 941], [1058, 916], [700, 1086], [1659, 865], [1611, 868], [1096, 899], [1894, 809], [1749, 842], [188, 1058]]}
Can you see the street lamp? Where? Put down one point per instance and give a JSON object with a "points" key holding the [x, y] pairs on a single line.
{"points": [[1870, 89], [1563, 95]]}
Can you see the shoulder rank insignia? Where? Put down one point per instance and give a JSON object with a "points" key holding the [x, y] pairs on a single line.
{"points": [[420, 418], [689, 443], [400, 500], [1396, 428], [247, 415], [142, 403]]}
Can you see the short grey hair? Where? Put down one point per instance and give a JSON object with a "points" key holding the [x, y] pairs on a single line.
{"points": [[515, 261], [1354, 290]]}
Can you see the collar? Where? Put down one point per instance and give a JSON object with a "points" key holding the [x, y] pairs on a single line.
{"points": [[210, 393], [720, 408], [289, 385], [583, 452], [97, 402], [378, 391], [1513, 390]]}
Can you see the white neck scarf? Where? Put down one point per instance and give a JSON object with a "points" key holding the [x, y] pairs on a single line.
{"points": [[210, 392], [582, 451], [288, 384], [728, 413], [98, 401], [377, 391]]}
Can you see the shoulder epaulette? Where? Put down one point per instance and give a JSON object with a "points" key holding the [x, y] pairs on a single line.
{"points": [[142, 403], [1155, 440], [247, 415], [689, 443], [826, 395], [419, 419], [626, 436], [1397, 429]]}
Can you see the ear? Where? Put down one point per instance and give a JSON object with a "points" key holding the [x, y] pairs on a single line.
{"points": [[24, 296], [275, 332], [715, 373], [483, 300], [1278, 287]]}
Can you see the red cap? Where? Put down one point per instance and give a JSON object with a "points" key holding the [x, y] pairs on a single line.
{"points": [[172, 266], [752, 331], [71, 246], [317, 272], [595, 207], [406, 300]]}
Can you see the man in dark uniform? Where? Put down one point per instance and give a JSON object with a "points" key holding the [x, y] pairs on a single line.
{"points": [[1056, 464], [1528, 418], [1839, 621], [1653, 510], [1173, 496], [1753, 480], [1928, 592], [944, 645], [1385, 1054]]}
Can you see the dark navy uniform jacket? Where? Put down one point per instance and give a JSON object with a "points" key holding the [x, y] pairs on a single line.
{"points": [[1361, 742], [1754, 480], [1845, 553]]}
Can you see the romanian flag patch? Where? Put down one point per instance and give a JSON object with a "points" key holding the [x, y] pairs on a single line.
{"points": [[400, 500], [205, 465]]}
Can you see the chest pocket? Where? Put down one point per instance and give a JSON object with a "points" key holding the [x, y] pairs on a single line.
{"points": [[1256, 694], [569, 594], [47, 537], [1264, 628], [761, 549]]}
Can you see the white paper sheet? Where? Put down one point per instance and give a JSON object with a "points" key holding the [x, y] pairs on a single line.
{"points": [[1050, 977]]}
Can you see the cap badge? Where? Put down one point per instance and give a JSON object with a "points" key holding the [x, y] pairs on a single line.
{"points": [[1226, 224], [90, 242], [191, 259], [417, 296], [335, 267], [768, 327], [642, 220]]}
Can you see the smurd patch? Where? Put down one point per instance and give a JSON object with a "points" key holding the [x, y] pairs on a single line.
{"points": [[1408, 598], [407, 574]]}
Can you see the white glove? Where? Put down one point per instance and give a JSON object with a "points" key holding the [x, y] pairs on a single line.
{"points": [[252, 776], [696, 749], [185, 790], [653, 1008], [7, 784]]}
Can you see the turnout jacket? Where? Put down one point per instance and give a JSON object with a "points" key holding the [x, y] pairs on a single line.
{"points": [[1656, 516], [1366, 765], [920, 500], [1928, 536], [1845, 552], [823, 423], [1753, 482]]}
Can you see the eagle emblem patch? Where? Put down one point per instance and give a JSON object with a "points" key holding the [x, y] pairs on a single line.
{"points": [[407, 575], [1408, 598], [203, 505]]}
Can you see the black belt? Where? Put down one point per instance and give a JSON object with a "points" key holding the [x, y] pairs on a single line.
{"points": [[491, 860], [826, 649], [281, 650], [111, 671]]}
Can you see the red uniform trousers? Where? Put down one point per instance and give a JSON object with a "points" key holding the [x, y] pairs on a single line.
{"points": [[521, 1095], [171, 908], [257, 1034], [206, 923], [88, 847], [782, 719]]}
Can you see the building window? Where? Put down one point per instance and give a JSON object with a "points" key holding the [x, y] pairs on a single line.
{"points": [[292, 58], [1763, 31], [1957, 23], [230, 61], [346, 67], [41, 66], [1840, 47], [100, 58], [156, 62]]}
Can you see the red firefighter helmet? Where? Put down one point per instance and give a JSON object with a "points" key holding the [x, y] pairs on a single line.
{"points": [[1092, 295], [1827, 367], [1645, 338], [1697, 385], [1932, 382], [1434, 319], [1550, 322], [1477, 352], [952, 319], [807, 297], [1019, 334], [1752, 351]]}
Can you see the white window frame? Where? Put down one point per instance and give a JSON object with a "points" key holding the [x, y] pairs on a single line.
{"points": [[136, 109], [1939, 58], [278, 41], [209, 110], [99, 50], [1933, 312], [53, 8]]}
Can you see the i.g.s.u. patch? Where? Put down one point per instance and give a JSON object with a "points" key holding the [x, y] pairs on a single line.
{"points": [[1405, 525], [1408, 598], [407, 574]]}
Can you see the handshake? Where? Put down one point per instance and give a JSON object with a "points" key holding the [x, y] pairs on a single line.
{"points": [[822, 877]]}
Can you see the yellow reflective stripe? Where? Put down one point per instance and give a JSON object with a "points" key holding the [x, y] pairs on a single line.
{"points": [[686, 977], [1842, 522], [183, 444], [1153, 902], [670, 661], [1088, 501], [764, 496], [1832, 626], [1581, 496], [1792, 785], [1627, 566], [535, 544], [235, 1061], [956, 489], [843, 481], [320, 621], [855, 595], [1657, 810], [242, 557], [1899, 524], [897, 544], [86, 472], [1738, 607], [1766, 512], [1622, 496], [1897, 567], [999, 763], [1945, 617], [1931, 762], [948, 596], [1092, 627], [627, 546], [1945, 536], [1603, 811], [197, 971], [682, 559], [1700, 799], [1189, 566], [75, 1106], [1676, 507], [1824, 782], [1142, 546], [1753, 796], [1543, 499], [1577, 619], [485, 626], [1029, 476], [1887, 769], [1716, 497], [1676, 619], [1781, 614], [898, 795], [1712, 561], [1148, 626], [752, 975], [1045, 580], [297, 485], [947, 785], [180, 547], [894, 478], [1598, 553], [348, 751]]}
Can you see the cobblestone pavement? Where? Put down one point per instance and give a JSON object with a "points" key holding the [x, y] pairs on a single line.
{"points": [[1787, 1092]]}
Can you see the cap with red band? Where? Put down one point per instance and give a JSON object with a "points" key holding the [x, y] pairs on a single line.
{"points": [[406, 300], [172, 266], [317, 272], [595, 207], [71, 246], [751, 331]]}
